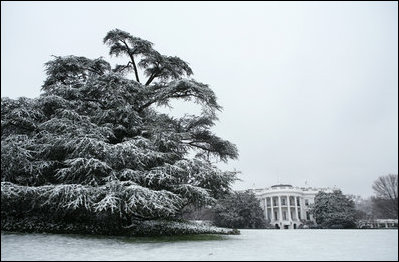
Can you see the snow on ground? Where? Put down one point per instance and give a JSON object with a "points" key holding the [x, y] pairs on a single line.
{"points": [[250, 245]]}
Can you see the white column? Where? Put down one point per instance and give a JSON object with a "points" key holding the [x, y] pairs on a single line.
{"points": [[265, 208], [296, 208], [271, 204], [301, 207], [280, 213], [289, 208]]}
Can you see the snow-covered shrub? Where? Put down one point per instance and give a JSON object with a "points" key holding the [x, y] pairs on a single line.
{"points": [[334, 210], [239, 210]]}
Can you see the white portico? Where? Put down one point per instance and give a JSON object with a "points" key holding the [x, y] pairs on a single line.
{"points": [[285, 206]]}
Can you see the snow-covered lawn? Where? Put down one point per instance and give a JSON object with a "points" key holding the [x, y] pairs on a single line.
{"points": [[250, 245]]}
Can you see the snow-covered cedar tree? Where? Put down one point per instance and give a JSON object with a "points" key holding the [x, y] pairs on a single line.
{"points": [[334, 210], [92, 147], [239, 210]]}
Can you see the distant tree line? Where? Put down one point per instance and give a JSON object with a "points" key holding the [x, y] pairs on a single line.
{"points": [[385, 201], [335, 210]]}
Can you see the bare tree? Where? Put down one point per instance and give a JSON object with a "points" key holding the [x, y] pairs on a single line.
{"points": [[386, 190]]}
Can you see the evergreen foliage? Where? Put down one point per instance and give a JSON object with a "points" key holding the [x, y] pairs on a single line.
{"points": [[239, 210], [93, 147], [334, 210]]}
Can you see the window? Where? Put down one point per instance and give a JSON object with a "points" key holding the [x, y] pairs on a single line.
{"points": [[275, 215], [306, 202], [284, 215], [307, 215], [283, 201]]}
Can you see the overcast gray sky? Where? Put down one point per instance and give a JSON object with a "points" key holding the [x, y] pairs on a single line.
{"points": [[309, 89]]}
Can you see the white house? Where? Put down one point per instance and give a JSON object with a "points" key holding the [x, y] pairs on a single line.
{"points": [[285, 206]]}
